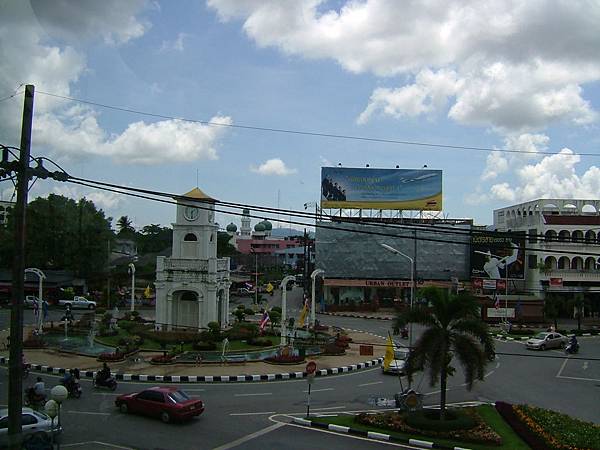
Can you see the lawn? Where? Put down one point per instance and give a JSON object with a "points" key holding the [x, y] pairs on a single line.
{"points": [[511, 441]]}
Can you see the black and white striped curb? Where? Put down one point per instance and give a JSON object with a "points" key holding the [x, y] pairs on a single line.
{"points": [[357, 316], [372, 434], [209, 378]]}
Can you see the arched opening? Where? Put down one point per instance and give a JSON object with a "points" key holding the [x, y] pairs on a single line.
{"points": [[564, 236], [577, 236], [589, 209], [590, 263], [590, 236], [577, 263], [550, 236], [550, 263], [186, 309], [190, 237], [189, 296], [563, 263]]}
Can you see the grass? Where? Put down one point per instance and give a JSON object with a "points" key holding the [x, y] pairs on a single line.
{"points": [[510, 440]]}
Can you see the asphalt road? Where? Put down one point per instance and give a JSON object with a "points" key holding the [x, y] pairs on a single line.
{"points": [[256, 415]]}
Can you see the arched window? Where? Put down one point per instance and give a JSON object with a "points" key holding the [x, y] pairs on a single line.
{"points": [[550, 236], [590, 236], [563, 263], [550, 263], [564, 236], [590, 263], [577, 263], [190, 237], [189, 296], [577, 236]]}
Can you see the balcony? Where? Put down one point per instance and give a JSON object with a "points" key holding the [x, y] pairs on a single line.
{"points": [[573, 274], [223, 265], [185, 265]]}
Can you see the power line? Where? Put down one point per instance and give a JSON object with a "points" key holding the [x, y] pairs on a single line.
{"points": [[16, 92], [311, 133]]}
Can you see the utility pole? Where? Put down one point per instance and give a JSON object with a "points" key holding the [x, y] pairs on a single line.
{"points": [[15, 369]]}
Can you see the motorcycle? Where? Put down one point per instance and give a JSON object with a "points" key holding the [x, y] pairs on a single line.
{"points": [[572, 348], [73, 388], [32, 399], [404, 333], [109, 383]]}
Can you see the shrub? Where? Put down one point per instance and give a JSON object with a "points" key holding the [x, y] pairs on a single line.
{"points": [[34, 342], [161, 359], [242, 307], [168, 337], [135, 313], [116, 356], [106, 318], [284, 359], [249, 311], [260, 342], [100, 311], [242, 331], [204, 346], [333, 349], [429, 419], [509, 415], [127, 325], [276, 308]]}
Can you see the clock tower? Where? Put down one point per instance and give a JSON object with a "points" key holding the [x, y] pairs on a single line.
{"points": [[192, 286]]}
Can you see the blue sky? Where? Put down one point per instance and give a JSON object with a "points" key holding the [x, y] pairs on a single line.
{"points": [[500, 74]]}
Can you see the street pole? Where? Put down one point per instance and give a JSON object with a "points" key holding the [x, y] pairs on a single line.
{"points": [[314, 276], [15, 370], [132, 270], [283, 286], [255, 278]]}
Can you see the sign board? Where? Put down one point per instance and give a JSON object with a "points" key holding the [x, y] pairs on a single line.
{"points": [[488, 284], [500, 313], [366, 350], [362, 188], [556, 282], [311, 367], [492, 254]]}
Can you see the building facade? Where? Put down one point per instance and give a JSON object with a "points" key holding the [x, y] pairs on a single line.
{"points": [[192, 286], [563, 245], [5, 209]]}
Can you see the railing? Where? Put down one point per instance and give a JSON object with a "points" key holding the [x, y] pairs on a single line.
{"points": [[186, 264], [222, 264], [574, 274]]}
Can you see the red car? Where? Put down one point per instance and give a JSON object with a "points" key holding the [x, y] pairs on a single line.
{"points": [[168, 403]]}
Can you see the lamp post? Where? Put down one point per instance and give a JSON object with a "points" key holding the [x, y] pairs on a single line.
{"points": [[59, 394], [51, 408], [412, 289], [41, 278], [314, 276], [132, 272], [283, 286]]}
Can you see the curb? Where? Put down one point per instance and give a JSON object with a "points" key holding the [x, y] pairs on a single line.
{"points": [[372, 434], [208, 378], [357, 316]]}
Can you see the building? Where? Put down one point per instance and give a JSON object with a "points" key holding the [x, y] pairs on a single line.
{"points": [[562, 245], [192, 286], [361, 274], [5, 209]]}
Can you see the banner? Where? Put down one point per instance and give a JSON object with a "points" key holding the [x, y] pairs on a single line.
{"points": [[493, 254], [408, 189]]}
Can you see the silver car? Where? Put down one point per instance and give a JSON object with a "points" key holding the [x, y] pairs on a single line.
{"points": [[546, 339], [398, 364], [35, 424]]}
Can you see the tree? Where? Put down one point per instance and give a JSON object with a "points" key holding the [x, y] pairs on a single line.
{"points": [[224, 248], [578, 303], [275, 317], [552, 307], [124, 224], [453, 328], [153, 239], [65, 234]]}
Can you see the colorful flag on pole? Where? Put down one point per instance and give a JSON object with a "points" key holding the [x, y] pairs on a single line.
{"points": [[304, 312], [389, 353], [263, 322], [148, 292]]}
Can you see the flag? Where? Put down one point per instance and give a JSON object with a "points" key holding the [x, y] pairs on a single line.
{"points": [[148, 292], [496, 301], [304, 312], [389, 353], [269, 288], [263, 322]]}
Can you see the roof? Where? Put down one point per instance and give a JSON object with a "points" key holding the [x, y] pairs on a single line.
{"points": [[198, 195], [555, 219]]}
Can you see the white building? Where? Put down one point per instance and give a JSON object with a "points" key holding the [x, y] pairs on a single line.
{"points": [[554, 226], [192, 286], [5, 209]]}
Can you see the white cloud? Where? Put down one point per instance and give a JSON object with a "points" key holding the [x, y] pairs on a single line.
{"points": [[273, 166], [496, 164], [176, 45], [510, 71]]}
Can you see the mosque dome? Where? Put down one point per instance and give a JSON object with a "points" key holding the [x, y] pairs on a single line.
{"points": [[260, 227], [232, 227], [268, 225]]}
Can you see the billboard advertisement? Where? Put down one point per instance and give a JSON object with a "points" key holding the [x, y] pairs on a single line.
{"points": [[412, 189], [492, 255]]}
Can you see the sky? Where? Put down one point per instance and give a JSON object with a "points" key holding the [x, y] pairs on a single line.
{"points": [[505, 75]]}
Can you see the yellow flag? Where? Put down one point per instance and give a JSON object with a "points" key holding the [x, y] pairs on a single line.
{"points": [[148, 292], [269, 288], [389, 353], [303, 315]]}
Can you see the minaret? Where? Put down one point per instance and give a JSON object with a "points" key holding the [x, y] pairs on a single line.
{"points": [[245, 231]]}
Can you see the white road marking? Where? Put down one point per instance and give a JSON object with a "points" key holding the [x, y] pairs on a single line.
{"points": [[320, 390], [327, 415], [251, 395], [251, 436], [578, 378], [252, 413], [328, 408], [92, 413], [585, 365], [558, 375], [106, 393], [106, 444], [371, 384]]}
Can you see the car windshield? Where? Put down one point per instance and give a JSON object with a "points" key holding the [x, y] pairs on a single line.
{"points": [[178, 396], [400, 354], [40, 415], [540, 336]]}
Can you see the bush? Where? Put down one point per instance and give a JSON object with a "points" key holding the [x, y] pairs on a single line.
{"points": [[161, 359], [509, 415], [204, 346], [429, 419], [106, 357], [127, 325], [333, 349], [283, 359], [242, 331], [277, 309], [168, 337], [260, 342], [100, 311], [249, 311]]}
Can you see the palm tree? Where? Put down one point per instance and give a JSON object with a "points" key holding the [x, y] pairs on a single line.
{"points": [[552, 307], [124, 224], [452, 328], [578, 303]]}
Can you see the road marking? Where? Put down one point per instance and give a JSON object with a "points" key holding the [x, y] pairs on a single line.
{"points": [[371, 384], [320, 390], [558, 375], [251, 395], [327, 415], [106, 393], [106, 444], [251, 436], [578, 378], [585, 365], [349, 436], [92, 413], [328, 408], [252, 413]]}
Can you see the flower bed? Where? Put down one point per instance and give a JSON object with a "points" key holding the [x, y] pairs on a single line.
{"points": [[162, 359], [285, 359], [477, 430], [111, 357], [542, 428], [34, 343]]}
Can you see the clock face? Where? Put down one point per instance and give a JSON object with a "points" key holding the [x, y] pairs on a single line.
{"points": [[190, 213]]}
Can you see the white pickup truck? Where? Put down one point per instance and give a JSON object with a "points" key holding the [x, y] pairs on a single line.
{"points": [[78, 302]]}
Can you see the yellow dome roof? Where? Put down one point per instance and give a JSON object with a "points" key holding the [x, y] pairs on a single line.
{"points": [[198, 194]]}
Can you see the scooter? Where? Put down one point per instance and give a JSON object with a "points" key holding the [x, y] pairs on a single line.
{"points": [[32, 399], [109, 383], [572, 348], [73, 388]]}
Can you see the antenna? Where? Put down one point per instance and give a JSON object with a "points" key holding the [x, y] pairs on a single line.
{"points": [[197, 177]]}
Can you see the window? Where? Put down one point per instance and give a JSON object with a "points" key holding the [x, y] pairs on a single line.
{"points": [[190, 237], [28, 419], [152, 396], [4, 423], [532, 261], [533, 235]]}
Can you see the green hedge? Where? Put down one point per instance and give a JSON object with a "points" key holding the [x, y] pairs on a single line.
{"points": [[428, 419]]}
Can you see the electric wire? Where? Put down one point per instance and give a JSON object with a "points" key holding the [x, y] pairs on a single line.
{"points": [[311, 133]]}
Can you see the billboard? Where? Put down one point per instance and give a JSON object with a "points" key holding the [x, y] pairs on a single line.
{"points": [[413, 189], [493, 254]]}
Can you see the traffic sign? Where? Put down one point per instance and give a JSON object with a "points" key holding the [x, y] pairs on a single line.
{"points": [[311, 367]]}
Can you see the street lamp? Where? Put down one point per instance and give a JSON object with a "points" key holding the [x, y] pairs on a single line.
{"points": [[51, 408], [412, 289], [132, 272], [255, 275], [41, 278], [59, 394], [314, 276], [283, 286]]}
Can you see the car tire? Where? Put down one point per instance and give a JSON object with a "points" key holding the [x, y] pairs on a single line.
{"points": [[123, 408], [113, 386], [68, 306], [562, 345], [165, 417], [91, 307], [543, 347]]}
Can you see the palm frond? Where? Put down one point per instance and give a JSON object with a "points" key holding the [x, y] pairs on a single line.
{"points": [[471, 356]]}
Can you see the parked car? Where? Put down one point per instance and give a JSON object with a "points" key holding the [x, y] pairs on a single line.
{"points": [[546, 339], [398, 364], [167, 403], [35, 425], [244, 292], [78, 302]]}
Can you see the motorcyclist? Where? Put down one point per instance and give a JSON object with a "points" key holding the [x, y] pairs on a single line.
{"points": [[39, 389], [104, 373], [573, 342]]}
